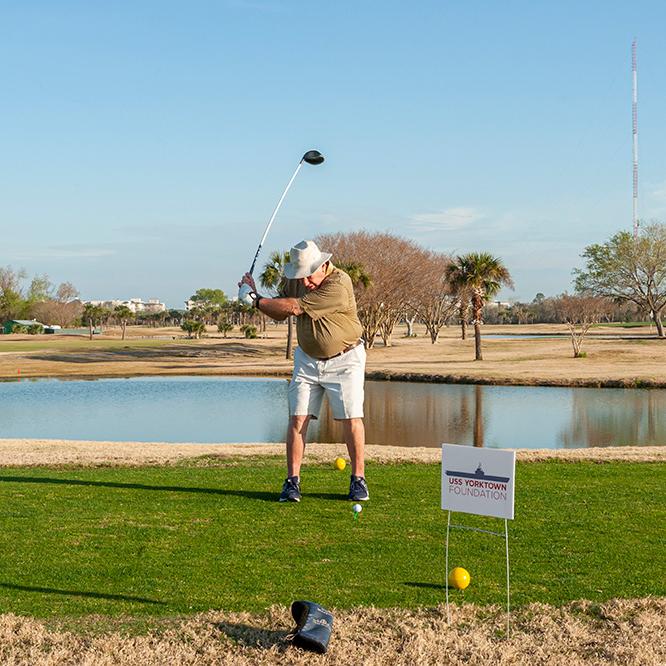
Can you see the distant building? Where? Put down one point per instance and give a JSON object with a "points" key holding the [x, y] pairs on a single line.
{"points": [[192, 305], [135, 305], [498, 304]]}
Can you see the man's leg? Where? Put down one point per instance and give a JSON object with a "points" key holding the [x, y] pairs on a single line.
{"points": [[354, 433], [296, 434]]}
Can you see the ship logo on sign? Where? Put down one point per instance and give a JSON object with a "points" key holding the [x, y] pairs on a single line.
{"points": [[478, 474], [478, 481]]}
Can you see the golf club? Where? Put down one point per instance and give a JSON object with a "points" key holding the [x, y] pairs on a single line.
{"points": [[311, 157]]}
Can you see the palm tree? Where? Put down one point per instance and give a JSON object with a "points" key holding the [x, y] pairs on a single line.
{"points": [[360, 278], [273, 278], [463, 311], [93, 315], [356, 272], [123, 314], [481, 275]]}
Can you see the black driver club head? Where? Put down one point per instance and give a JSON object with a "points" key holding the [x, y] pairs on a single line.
{"points": [[313, 157]]}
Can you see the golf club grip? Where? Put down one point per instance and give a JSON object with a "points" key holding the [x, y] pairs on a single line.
{"points": [[270, 222], [254, 261]]}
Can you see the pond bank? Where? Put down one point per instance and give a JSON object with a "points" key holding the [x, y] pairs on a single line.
{"points": [[379, 375], [35, 452], [540, 361], [629, 382]]}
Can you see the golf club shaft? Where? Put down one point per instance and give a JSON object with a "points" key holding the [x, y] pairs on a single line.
{"points": [[270, 222]]}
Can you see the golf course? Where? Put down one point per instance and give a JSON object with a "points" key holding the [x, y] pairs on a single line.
{"points": [[184, 552], [333, 333], [149, 553]]}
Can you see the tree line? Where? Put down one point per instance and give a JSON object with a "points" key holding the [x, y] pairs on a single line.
{"points": [[41, 300], [396, 280]]}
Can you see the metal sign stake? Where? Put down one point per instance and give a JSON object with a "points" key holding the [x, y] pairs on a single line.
{"points": [[504, 536]]}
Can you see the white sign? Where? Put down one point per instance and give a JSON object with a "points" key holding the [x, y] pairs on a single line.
{"points": [[477, 480]]}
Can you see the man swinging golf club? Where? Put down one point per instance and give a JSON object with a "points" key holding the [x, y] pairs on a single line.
{"points": [[330, 357]]}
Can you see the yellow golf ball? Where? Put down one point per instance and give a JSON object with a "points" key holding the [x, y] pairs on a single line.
{"points": [[340, 463], [459, 578]]}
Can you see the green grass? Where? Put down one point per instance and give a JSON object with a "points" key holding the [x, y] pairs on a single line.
{"points": [[173, 540], [624, 324]]}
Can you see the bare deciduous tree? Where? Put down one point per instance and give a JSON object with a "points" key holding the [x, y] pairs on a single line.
{"points": [[391, 262], [410, 319], [63, 308], [579, 313], [435, 302]]}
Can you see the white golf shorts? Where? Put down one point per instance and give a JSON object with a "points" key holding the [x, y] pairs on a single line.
{"points": [[340, 378]]}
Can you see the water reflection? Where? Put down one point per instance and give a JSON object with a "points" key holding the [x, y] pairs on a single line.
{"points": [[478, 416], [403, 414], [214, 409], [623, 417]]}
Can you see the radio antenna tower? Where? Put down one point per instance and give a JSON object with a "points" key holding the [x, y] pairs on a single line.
{"points": [[634, 132]]}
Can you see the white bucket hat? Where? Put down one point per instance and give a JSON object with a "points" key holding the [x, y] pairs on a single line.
{"points": [[304, 259]]}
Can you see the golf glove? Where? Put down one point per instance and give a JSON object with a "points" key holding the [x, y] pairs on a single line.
{"points": [[246, 294]]}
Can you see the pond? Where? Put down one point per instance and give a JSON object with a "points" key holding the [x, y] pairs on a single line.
{"points": [[222, 409]]}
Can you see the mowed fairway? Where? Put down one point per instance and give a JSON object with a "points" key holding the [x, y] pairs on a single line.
{"points": [[159, 541]]}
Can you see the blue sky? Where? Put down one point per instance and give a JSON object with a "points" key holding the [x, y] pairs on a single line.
{"points": [[145, 144]]}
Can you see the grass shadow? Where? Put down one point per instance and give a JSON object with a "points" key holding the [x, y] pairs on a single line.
{"points": [[260, 495], [326, 496], [164, 353], [253, 637], [77, 593], [249, 494], [429, 586]]}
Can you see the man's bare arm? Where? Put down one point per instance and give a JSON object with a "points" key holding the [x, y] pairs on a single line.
{"points": [[279, 308]]}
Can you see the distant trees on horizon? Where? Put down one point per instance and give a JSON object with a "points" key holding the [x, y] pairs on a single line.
{"points": [[396, 280]]}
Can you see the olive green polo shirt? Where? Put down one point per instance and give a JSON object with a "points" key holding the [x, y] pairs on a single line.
{"points": [[329, 322]]}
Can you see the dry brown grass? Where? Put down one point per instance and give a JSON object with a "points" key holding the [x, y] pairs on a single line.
{"points": [[36, 452], [616, 362], [631, 632]]}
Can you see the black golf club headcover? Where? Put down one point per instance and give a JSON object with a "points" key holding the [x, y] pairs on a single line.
{"points": [[313, 626]]}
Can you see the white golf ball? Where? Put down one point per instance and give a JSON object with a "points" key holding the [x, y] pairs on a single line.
{"points": [[357, 508]]}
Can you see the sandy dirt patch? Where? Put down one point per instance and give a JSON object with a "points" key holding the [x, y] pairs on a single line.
{"points": [[32, 452], [629, 632]]}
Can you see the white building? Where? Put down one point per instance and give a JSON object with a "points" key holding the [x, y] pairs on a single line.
{"points": [[136, 305]]}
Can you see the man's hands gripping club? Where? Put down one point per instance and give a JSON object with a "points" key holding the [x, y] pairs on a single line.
{"points": [[247, 290], [276, 308]]}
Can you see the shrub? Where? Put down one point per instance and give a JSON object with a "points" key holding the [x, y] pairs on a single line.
{"points": [[249, 331], [225, 327], [194, 328]]}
